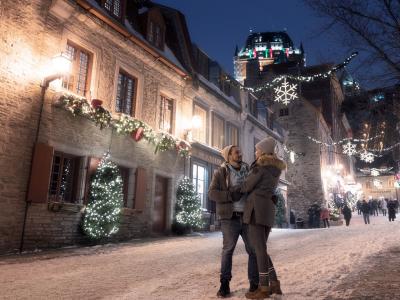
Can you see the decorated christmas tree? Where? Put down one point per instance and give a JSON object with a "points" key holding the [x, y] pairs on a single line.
{"points": [[280, 214], [103, 210], [187, 207]]}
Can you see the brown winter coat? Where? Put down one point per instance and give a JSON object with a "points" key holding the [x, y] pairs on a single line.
{"points": [[260, 184], [218, 192]]}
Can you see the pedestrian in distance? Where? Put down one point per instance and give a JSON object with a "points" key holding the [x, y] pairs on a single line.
{"points": [[259, 212], [391, 210], [347, 214], [365, 208], [358, 205], [230, 207], [384, 207], [325, 216]]}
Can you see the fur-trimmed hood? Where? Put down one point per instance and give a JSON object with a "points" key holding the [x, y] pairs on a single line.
{"points": [[271, 160]]}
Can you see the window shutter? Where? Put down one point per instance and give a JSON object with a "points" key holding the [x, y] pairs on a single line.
{"points": [[92, 164], [40, 173], [140, 188]]}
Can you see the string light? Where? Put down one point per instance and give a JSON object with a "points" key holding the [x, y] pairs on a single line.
{"points": [[301, 78]]}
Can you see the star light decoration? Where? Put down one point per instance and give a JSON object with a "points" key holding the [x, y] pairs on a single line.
{"points": [[374, 172], [367, 156], [285, 92], [349, 149]]}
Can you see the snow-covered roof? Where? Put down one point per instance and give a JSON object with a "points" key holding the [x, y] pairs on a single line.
{"points": [[212, 86]]}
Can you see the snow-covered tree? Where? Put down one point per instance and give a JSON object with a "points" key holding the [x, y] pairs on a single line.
{"points": [[280, 214], [188, 207], [102, 213]]}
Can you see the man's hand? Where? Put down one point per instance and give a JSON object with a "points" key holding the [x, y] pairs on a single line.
{"points": [[235, 193]]}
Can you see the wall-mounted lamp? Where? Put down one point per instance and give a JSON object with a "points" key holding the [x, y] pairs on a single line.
{"points": [[196, 123], [58, 67]]}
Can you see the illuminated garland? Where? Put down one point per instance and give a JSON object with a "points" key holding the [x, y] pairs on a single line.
{"points": [[124, 125], [301, 78], [345, 140]]}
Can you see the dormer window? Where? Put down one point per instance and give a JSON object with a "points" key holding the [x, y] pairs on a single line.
{"points": [[114, 7], [155, 35]]}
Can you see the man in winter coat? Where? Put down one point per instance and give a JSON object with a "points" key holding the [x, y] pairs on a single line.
{"points": [[230, 207], [365, 208], [391, 210], [347, 214], [259, 212]]}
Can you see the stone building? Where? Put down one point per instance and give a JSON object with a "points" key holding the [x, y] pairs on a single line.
{"points": [[134, 60], [316, 114]]}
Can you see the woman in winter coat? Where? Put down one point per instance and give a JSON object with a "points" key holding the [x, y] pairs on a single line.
{"points": [[259, 211], [391, 210], [325, 216]]}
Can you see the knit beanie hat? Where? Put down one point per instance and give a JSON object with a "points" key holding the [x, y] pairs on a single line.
{"points": [[267, 146], [225, 152]]}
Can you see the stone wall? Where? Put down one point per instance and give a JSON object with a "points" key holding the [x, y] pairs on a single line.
{"points": [[30, 36]]}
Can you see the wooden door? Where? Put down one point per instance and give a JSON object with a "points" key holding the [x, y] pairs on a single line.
{"points": [[160, 204]]}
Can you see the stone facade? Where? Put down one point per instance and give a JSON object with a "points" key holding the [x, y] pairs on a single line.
{"points": [[32, 32]]}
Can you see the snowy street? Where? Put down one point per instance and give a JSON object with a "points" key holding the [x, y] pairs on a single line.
{"points": [[356, 262]]}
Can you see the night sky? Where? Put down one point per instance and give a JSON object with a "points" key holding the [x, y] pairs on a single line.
{"points": [[217, 26]]}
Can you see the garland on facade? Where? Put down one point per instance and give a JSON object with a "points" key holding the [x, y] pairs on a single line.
{"points": [[125, 125]]}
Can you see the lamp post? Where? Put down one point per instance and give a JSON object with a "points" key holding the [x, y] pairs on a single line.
{"points": [[60, 66]]}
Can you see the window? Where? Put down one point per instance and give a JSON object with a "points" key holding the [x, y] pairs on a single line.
{"points": [[199, 132], [233, 135], [78, 80], [284, 112], [253, 106], [125, 183], [63, 180], [200, 182], [114, 7], [125, 94], [218, 133], [155, 35], [166, 114]]}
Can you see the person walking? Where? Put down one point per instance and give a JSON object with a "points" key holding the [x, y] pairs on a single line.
{"points": [[347, 214], [230, 207], [365, 208], [384, 207], [259, 212], [391, 210], [358, 205], [325, 216]]}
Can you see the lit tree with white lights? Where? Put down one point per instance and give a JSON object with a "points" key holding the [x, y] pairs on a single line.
{"points": [[105, 201], [188, 206]]}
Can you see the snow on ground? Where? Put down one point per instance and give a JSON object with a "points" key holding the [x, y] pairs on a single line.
{"points": [[356, 262]]}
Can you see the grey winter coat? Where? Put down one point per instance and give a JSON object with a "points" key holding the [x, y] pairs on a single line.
{"points": [[219, 191], [260, 184]]}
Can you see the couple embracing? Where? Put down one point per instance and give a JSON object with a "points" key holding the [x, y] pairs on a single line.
{"points": [[245, 203]]}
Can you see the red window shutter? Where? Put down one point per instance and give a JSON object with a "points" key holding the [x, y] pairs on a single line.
{"points": [[140, 188], [92, 164], [40, 173]]}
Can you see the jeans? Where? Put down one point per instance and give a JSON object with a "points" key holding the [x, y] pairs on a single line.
{"points": [[366, 218], [326, 223], [231, 229]]}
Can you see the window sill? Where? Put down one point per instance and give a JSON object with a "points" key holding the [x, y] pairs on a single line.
{"points": [[55, 206], [126, 211]]}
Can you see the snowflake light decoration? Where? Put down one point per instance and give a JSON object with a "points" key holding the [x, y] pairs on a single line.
{"points": [[374, 172], [349, 149], [367, 156], [286, 92]]}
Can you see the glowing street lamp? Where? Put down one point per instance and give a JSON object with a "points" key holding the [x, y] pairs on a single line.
{"points": [[59, 66]]}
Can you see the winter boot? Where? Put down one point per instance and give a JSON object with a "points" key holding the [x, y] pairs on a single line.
{"points": [[261, 293], [224, 290], [275, 287], [253, 287]]}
